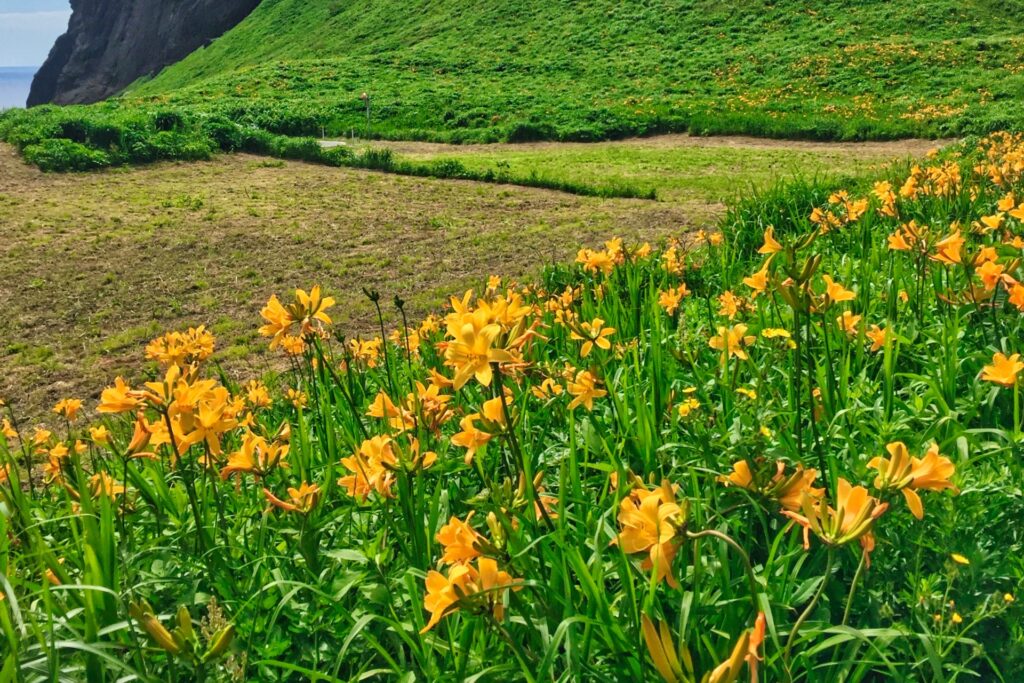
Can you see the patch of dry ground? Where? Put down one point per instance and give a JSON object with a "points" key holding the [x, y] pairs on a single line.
{"points": [[94, 265]]}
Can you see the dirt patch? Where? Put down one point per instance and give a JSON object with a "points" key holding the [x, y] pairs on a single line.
{"points": [[94, 265]]}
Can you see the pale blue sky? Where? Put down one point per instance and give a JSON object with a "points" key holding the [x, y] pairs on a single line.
{"points": [[28, 29]]}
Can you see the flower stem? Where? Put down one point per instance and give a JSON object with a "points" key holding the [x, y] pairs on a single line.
{"points": [[786, 654], [853, 586]]}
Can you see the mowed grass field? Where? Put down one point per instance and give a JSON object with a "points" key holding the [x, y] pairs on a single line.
{"points": [[94, 265], [679, 168]]}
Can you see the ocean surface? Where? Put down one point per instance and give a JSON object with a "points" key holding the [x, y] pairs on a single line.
{"points": [[15, 82]]}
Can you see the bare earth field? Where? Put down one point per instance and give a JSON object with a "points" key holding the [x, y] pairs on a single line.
{"points": [[92, 266]]}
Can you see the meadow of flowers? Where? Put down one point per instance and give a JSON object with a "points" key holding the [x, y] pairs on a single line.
{"points": [[786, 451]]}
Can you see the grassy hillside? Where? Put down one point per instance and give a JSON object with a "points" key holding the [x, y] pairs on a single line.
{"points": [[595, 69], [572, 71]]}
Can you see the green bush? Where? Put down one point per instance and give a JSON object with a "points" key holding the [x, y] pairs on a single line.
{"points": [[376, 159], [65, 155], [226, 134]]}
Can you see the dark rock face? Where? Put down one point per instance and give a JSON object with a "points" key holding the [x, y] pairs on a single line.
{"points": [[111, 43]]}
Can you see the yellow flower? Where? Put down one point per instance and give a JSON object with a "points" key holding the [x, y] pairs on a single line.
{"points": [[787, 489], [442, 598], [991, 274], [851, 520], [771, 245], [297, 398], [730, 304], [472, 351], [311, 307], [898, 242], [308, 310], [593, 334], [650, 521], [904, 473], [383, 407], [956, 618], [40, 439], [687, 407], [301, 500], [478, 588], [68, 408], [182, 348], [667, 660], [849, 323], [596, 261], [730, 341], [214, 415], [99, 435], [547, 389], [877, 336], [1008, 598], [744, 652], [670, 299], [102, 485], [835, 292], [993, 222], [278, 321], [257, 456], [365, 351], [960, 559], [372, 468], [491, 419], [118, 398], [948, 249], [257, 395], [1003, 370], [758, 281], [7, 430], [584, 389], [676, 665], [461, 543]]}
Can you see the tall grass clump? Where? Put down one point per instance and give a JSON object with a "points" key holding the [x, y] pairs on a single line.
{"points": [[697, 462]]}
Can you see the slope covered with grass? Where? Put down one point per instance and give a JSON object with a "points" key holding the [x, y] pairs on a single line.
{"points": [[572, 71], [595, 69]]}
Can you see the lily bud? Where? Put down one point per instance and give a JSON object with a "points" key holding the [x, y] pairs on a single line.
{"points": [[220, 643]]}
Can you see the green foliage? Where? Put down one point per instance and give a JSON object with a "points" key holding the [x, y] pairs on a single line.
{"points": [[599, 69], [212, 564], [65, 155], [580, 71]]}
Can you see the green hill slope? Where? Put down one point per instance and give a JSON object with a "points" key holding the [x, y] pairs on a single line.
{"points": [[589, 69], [451, 71]]}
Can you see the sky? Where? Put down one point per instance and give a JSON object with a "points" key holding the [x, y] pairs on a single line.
{"points": [[28, 29]]}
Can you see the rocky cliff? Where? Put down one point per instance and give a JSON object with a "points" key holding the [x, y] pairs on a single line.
{"points": [[111, 43]]}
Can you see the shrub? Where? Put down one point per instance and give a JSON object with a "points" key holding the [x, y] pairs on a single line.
{"points": [[380, 159], [65, 155], [169, 120], [530, 131], [225, 133]]}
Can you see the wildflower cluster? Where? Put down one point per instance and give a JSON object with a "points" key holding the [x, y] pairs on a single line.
{"points": [[722, 448]]}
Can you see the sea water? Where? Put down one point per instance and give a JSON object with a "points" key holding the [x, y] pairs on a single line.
{"points": [[15, 82]]}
